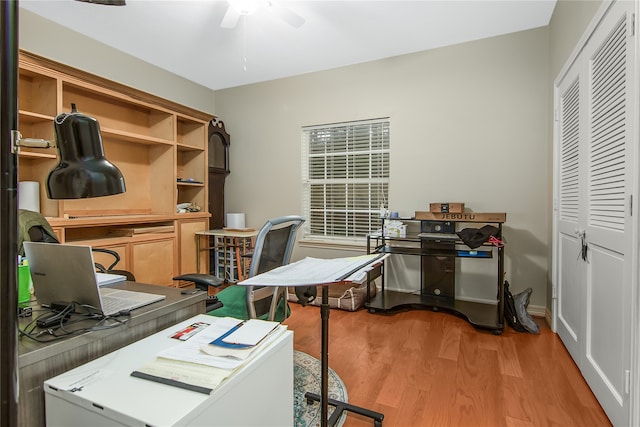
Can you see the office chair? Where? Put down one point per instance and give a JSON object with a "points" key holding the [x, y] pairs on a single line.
{"points": [[273, 247], [33, 227]]}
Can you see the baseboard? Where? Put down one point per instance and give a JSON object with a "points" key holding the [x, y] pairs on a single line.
{"points": [[533, 310]]}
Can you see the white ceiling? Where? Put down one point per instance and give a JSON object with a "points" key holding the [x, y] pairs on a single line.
{"points": [[185, 37]]}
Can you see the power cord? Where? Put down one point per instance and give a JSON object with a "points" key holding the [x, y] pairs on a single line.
{"points": [[60, 313], [55, 324]]}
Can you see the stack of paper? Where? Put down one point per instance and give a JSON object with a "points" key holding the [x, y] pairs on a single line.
{"points": [[316, 271], [109, 278], [240, 341], [200, 365]]}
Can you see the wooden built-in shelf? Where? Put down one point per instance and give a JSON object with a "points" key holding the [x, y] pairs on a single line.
{"points": [[151, 140]]}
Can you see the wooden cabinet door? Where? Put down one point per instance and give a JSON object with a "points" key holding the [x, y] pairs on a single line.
{"points": [[188, 255], [154, 262]]}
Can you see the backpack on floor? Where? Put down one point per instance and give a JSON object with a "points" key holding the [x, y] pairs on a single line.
{"points": [[510, 310]]}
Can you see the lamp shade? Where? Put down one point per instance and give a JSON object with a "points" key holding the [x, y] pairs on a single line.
{"points": [[83, 170]]}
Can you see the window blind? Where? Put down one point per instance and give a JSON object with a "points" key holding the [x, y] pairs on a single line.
{"points": [[345, 178]]}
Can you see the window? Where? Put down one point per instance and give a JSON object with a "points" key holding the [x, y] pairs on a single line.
{"points": [[345, 178]]}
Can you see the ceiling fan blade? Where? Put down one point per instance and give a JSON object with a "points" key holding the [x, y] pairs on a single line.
{"points": [[287, 15], [230, 19], [106, 2]]}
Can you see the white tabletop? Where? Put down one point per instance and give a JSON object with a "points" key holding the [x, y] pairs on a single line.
{"points": [[229, 232], [107, 382]]}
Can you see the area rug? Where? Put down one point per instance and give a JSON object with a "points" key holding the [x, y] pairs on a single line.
{"points": [[307, 377]]}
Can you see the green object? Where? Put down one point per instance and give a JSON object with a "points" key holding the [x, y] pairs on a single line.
{"points": [[234, 303], [24, 285]]}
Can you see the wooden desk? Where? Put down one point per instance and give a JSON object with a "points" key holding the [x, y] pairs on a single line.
{"points": [[40, 361]]}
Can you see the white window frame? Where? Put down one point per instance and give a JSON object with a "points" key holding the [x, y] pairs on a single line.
{"points": [[332, 219]]}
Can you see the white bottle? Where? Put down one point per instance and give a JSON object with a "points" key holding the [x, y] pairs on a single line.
{"points": [[383, 212]]}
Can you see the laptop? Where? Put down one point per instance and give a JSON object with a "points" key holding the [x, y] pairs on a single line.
{"points": [[66, 273]]}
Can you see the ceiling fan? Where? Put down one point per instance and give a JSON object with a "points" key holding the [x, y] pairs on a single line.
{"points": [[238, 8]]}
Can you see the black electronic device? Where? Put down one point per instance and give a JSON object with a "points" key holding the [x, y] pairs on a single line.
{"points": [[60, 312], [446, 227], [213, 302], [54, 319]]}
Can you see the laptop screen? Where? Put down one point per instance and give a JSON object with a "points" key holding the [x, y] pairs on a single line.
{"points": [[66, 273], [62, 273]]}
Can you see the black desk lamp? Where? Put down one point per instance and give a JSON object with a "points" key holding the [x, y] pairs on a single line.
{"points": [[83, 172]]}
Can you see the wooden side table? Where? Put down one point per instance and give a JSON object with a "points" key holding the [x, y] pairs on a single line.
{"points": [[233, 245]]}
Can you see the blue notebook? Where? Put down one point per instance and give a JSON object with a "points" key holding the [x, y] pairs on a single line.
{"points": [[220, 340]]}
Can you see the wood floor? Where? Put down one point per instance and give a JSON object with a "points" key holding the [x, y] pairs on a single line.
{"points": [[424, 368]]}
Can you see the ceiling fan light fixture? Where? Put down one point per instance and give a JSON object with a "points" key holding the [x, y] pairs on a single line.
{"points": [[245, 7], [286, 14], [238, 8]]}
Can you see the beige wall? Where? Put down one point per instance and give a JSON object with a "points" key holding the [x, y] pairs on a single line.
{"points": [[568, 23], [468, 123], [50, 40]]}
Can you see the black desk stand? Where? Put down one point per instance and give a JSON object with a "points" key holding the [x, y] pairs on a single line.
{"points": [[324, 383]]}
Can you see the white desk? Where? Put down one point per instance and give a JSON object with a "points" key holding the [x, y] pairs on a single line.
{"points": [[41, 361], [259, 394]]}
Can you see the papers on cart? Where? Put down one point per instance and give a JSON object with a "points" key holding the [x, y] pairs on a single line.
{"points": [[232, 335], [316, 271], [197, 364], [245, 334]]}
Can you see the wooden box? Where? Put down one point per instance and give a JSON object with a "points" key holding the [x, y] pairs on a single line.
{"points": [[446, 207], [463, 217]]}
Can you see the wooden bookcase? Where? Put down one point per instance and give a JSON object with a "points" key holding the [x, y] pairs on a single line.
{"points": [[160, 147]]}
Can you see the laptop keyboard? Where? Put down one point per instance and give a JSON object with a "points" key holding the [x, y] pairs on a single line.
{"points": [[112, 305], [115, 300]]}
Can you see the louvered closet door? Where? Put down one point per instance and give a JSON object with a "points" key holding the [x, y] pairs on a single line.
{"points": [[608, 228], [594, 230], [571, 295]]}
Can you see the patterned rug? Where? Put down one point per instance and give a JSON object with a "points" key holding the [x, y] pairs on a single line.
{"points": [[307, 377]]}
